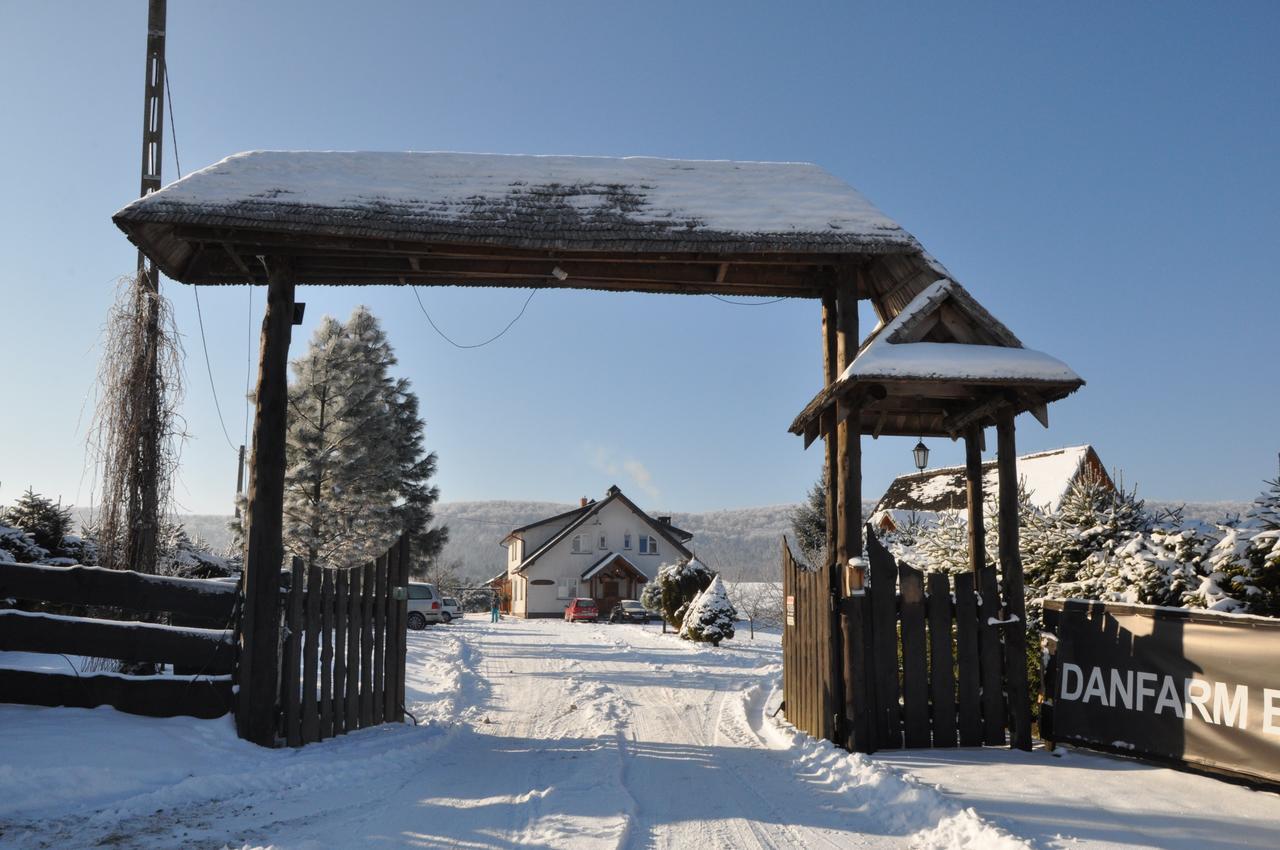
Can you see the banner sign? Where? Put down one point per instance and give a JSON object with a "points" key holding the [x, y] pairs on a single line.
{"points": [[791, 610], [1192, 686]]}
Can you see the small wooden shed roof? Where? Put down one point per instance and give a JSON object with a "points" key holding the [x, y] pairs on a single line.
{"points": [[637, 223], [942, 364]]}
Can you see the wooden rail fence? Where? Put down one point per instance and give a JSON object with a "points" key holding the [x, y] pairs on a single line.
{"points": [[923, 657], [209, 653], [344, 648]]}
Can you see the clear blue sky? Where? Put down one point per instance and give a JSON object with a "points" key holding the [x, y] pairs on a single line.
{"points": [[1103, 177]]}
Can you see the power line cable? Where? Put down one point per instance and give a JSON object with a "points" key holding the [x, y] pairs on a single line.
{"points": [[195, 290], [746, 303], [493, 338]]}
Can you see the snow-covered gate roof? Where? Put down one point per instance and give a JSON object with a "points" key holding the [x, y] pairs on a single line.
{"points": [[636, 223]]}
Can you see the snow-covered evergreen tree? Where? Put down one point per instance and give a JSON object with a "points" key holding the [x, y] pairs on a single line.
{"points": [[676, 586], [357, 475], [1243, 570], [809, 523], [710, 615]]}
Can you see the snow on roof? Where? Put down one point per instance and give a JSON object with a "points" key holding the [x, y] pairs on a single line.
{"points": [[570, 200], [1046, 476], [606, 561], [958, 362], [883, 356]]}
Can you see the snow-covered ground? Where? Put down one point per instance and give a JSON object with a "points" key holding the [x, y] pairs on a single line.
{"points": [[544, 734]]}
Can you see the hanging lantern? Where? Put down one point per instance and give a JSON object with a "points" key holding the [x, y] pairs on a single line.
{"points": [[921, 452]]}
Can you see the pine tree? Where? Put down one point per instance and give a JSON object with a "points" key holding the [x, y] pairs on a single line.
{"points": [[46, 521], [357, 476], [809, 523], [710, 615]]}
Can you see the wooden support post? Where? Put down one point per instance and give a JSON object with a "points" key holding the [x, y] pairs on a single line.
{"points": [[259, 672], [1015, 627], [984, 579], [829, 672], [848, 508]]}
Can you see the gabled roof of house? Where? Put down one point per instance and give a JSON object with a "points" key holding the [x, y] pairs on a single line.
{"points": [[610, 560], [671, 534], [1045, 475], [568, 516]]}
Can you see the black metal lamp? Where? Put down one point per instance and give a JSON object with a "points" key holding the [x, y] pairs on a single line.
{"points": [[921, 452]]}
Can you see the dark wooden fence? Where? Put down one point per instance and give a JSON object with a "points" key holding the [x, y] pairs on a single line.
{"points": [[811, 703], [209, 654], [344, 648], [923, 657]]}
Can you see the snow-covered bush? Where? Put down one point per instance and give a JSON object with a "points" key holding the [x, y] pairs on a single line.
{"points": [[46, 521], [18, 546], [675, 587], [710, 616], [187, 557]]}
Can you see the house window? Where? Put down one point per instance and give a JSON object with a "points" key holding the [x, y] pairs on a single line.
{"points": [[567, 589], [603, 542], [515, 551], [648, 545], [626, 540], [581, 543]]}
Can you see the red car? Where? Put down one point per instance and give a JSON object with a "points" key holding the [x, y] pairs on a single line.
{"points": [[582, 609]]}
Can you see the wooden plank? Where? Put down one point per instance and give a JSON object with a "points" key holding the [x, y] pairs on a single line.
{"points": [[942, 680], [884, 614], [388, 637], [211, 651], [861, 699], [354, 633], [991, 656], [150, 696], [915, 666], [366, 645], [258, 675], [326, 655], [968, 668], [788, 642], [402, 606], [311, 651], [133, 591], [1015, 628], [379, 637], [341, 581], [390, 711], [290, 702]]}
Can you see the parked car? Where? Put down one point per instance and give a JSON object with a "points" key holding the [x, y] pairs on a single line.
{"points": [[450, 610], [582, 609], [629, 611], [425, 605]]}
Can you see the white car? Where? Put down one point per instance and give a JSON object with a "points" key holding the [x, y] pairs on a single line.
{"points": [[450, 609], [425, 606]]}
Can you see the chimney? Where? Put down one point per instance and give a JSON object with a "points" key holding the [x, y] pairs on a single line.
{"points": [[583, 502]]}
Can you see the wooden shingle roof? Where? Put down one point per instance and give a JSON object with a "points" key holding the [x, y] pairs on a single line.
{"points": [[636, 223]]}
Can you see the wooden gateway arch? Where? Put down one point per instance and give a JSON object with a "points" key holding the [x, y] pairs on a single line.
{"points": [[281, 219]]}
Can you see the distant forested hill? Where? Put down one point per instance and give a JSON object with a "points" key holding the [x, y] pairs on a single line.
{"points": [[741, 543]]}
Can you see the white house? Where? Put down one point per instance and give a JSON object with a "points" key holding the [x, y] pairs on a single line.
{"points": [[604, 549]]}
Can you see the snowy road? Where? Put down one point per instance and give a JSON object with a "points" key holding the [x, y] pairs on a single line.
{"points": [[543, 734]]}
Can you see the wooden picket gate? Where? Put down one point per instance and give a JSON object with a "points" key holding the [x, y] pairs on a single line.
{"points": [[344, 647], [923, 663]]}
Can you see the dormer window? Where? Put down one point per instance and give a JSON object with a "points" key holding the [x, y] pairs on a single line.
{"points": [[648, 544]]}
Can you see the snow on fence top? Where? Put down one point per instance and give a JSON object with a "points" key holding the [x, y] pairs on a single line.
{"points": [[534, 201]]}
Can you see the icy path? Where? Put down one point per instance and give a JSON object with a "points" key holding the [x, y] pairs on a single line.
{"points": [[542, 734]]}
